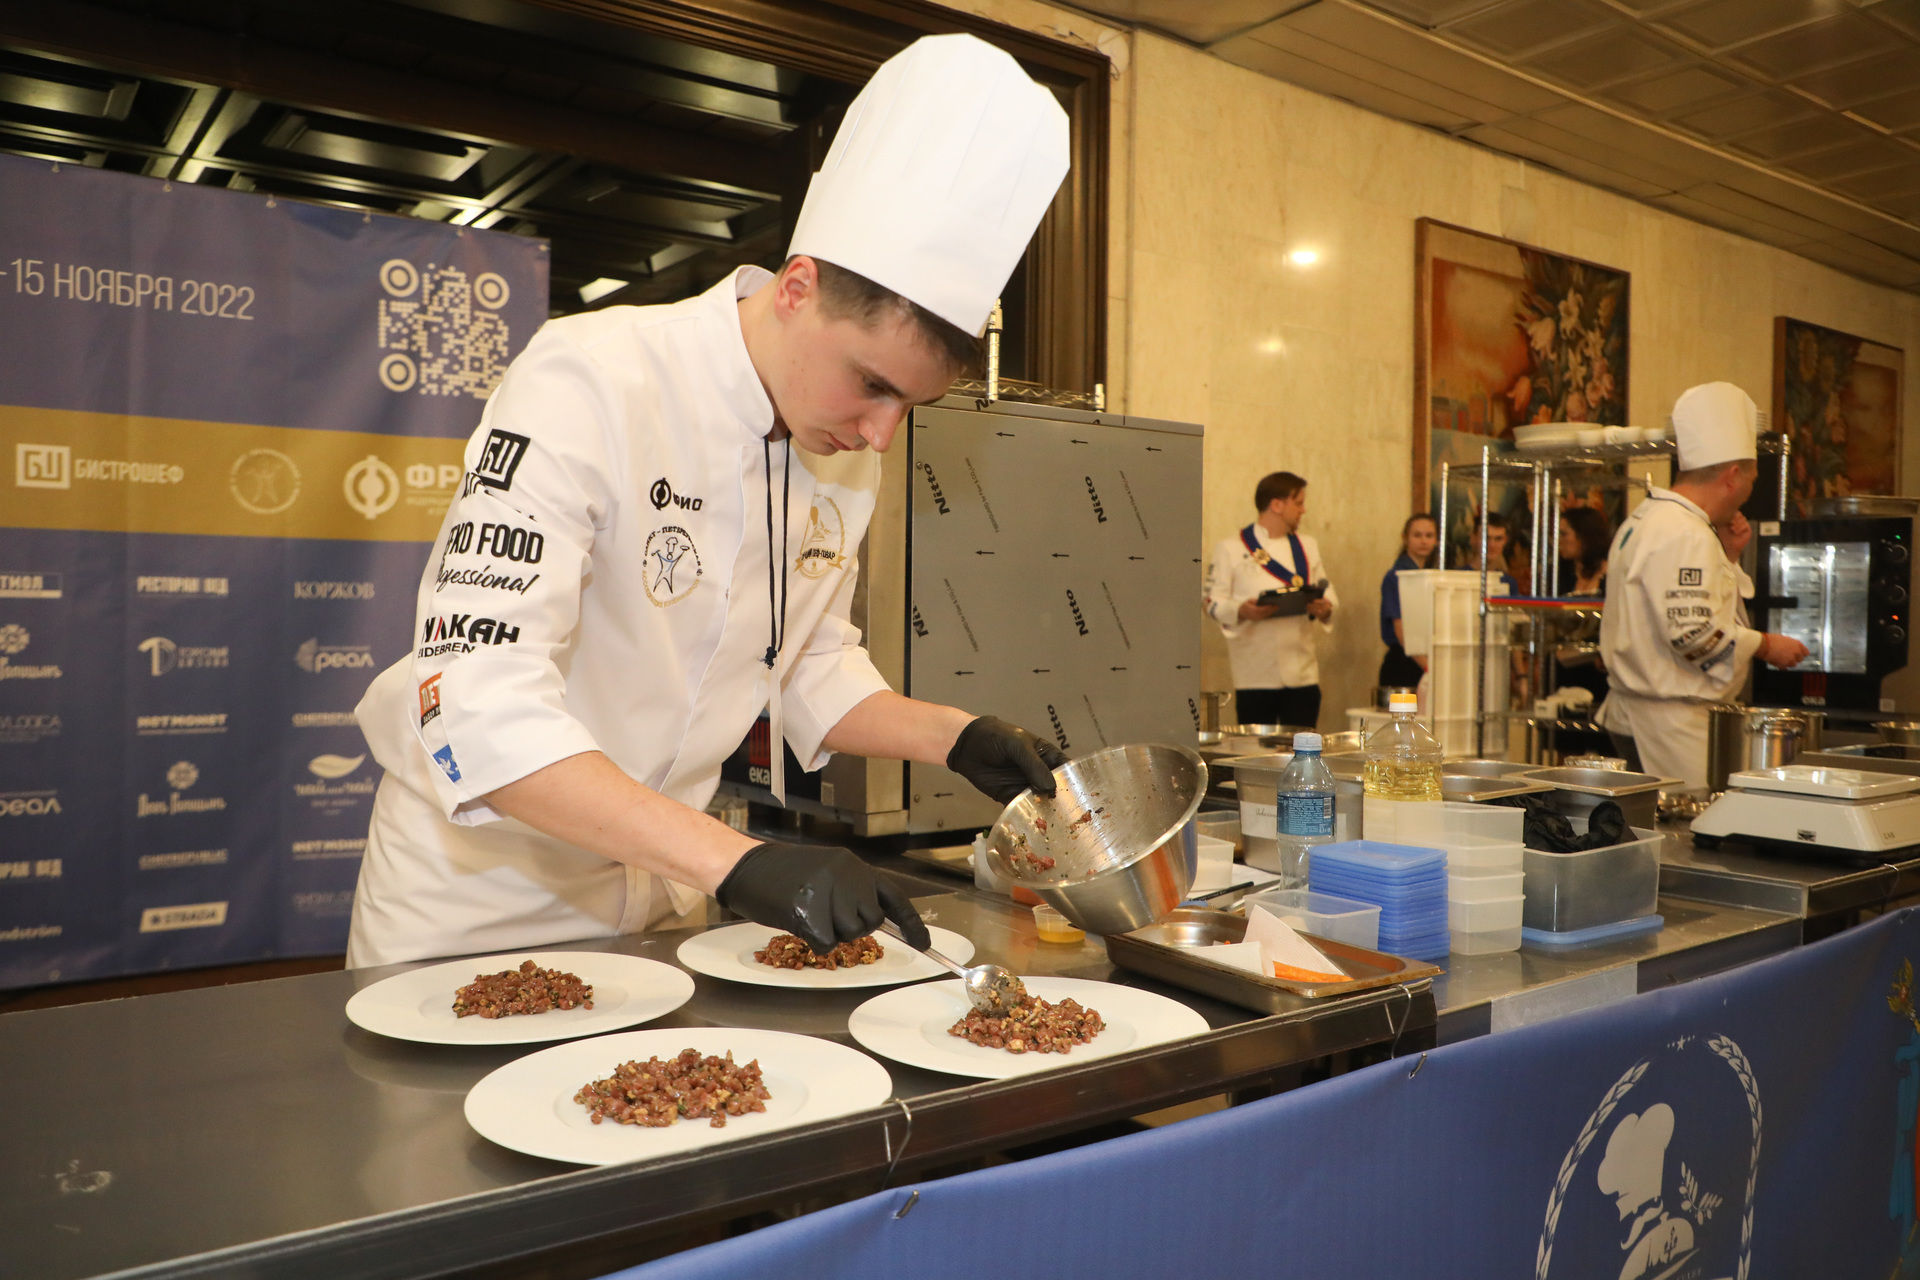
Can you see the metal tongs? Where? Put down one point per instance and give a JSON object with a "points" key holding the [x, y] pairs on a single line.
{"points": [[991, 989]]}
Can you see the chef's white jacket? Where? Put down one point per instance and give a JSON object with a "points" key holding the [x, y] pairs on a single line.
{"points": [[1673, 634], [601, 583], [1271, 653]]}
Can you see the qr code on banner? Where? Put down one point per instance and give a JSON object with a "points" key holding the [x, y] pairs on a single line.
{"points": [[440, 330]]}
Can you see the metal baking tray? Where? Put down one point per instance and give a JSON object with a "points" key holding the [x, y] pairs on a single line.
{"points": [[1165, 950]]}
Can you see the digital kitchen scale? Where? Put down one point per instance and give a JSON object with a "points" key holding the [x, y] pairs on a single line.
{"points": [[1818, 812]]}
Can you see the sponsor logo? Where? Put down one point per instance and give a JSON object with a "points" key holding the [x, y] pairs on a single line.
{"points": [[264, 481], [184, 858], [31, 933], [182, 775], [429, 699], [29, 804], [168, 725], [190, 915], [163, 655], [1099, 512], [483, 577], [14, 640], [673, 565], [825, 543], [43, 466], [324, 720], [919, 623], [462, 633], [939, 498], [315, 657], [337, 788], [371, 486], [333, 591], [335, 903], [30, 586], [324, 850], [444, 758], [662, 495], [159, 584], [501, 541], [1059, 730], [31, 869], [1690, 577], [499, 459], [53, 466], [28, 727], [1079, 619]]}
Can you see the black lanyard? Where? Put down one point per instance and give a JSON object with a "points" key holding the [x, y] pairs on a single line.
{"points": [[777, 568]]}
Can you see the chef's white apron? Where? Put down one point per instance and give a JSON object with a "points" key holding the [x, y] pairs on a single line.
{"points": [[1670, 734]]}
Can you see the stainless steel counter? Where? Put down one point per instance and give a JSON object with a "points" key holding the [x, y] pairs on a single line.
{"points": [[251, 1129], [1810, 889]]}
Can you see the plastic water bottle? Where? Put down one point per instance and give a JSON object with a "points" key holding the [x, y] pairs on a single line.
{"points": [[1403, 763], [1304, 798]]}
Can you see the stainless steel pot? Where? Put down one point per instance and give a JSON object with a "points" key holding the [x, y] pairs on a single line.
{"points": [[1741, 737], [1107, 850], [1905, 733]]}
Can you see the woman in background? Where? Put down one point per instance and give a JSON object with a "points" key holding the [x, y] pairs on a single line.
{"points": [[1419, 540], [1584, 541]]}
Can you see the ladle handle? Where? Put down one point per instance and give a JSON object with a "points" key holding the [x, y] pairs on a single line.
{"points": [[889, 928]]}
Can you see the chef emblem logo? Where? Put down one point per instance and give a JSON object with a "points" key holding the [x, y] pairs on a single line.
{"points": [[826, 541], [264, 481], [1659, 1183], [672, 565]]}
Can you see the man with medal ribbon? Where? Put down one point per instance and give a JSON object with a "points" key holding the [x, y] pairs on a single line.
{"points": [[1267, 588]]}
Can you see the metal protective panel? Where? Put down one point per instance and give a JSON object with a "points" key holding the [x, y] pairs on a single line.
{"points": [[1052, 582]]}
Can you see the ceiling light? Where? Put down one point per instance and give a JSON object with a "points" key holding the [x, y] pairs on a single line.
{"points": [[598, 289], [1304, 257]]}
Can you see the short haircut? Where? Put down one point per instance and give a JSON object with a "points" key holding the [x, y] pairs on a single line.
{"points": [[848, 295], [1494, 521], [1707, 475], [1281, 484]]}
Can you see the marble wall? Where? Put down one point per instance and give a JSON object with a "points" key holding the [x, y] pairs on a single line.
{"points": [[1219, 172]]}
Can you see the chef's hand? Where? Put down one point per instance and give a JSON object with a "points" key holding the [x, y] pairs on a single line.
{"points": [[1003, 759], [1252, 612], [1781, 651], [823, 894], [1320, 610]]}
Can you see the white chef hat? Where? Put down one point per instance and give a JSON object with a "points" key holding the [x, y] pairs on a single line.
{"points": [[938, 176], [1714, 422]]}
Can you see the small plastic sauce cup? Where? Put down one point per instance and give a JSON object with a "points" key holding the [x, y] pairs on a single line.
{"points": [[1054, 927]]}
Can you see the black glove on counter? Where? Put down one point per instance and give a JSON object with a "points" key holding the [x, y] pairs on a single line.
{"points": [[821, 893], [1003, 759]]}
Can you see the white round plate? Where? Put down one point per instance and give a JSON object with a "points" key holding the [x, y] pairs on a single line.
{"points": [[727, 952], [418, 1004], [528, 1104], [910, 1025]]}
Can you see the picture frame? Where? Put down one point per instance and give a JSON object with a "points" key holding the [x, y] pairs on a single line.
{"points": [[1837, 398]]}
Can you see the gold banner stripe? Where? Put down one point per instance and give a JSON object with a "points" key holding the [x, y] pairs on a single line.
{"points": [[117, 473]]}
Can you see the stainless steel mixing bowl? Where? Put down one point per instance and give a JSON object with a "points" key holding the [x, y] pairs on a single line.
{"points": [[1106, 849]]}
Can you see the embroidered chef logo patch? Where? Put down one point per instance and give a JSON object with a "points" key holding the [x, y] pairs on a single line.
{"points": [[673, 565], [429, 699], [1690, 577], [826, 541], [500, 458]]}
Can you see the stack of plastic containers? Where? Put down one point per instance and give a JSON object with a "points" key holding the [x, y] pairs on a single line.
{"points": [[1486, 875], [1407, 883]]}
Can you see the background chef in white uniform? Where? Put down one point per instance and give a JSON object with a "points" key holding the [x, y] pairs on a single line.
{"points": [[656, 541], [1673, 634]]}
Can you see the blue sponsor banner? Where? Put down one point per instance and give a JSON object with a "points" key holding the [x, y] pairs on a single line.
{"points": [[229, 428], [1757, 1123]]}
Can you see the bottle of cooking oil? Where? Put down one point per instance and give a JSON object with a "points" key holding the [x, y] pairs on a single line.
{"points": [[1403, 763]]}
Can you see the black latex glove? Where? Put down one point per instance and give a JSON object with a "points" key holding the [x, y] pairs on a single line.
{"points": [[820, 893], [1003, 759]]}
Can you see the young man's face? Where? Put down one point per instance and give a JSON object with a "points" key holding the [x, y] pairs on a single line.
{"points": [[846, 384], [1496, 546], [1291, 510]]}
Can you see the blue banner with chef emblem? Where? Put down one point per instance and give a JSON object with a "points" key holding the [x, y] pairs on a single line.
{"points": [[229, 428], [1756, 1123]]}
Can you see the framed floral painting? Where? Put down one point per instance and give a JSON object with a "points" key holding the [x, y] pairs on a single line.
{"points": [[1506, 335], [1837, 398]]}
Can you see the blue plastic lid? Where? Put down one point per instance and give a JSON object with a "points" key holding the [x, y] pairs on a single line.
{"points": [[1374, 855], [1598, 933]]}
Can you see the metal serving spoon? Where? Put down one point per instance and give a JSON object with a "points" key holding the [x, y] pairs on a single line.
{"points": [[990, 989]]}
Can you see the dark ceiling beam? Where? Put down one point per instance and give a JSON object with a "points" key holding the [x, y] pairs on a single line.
{"points": [[323, 83]]}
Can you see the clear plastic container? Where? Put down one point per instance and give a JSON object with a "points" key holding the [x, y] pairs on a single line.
{"points": [[1484, 884], [1403, 760], [1486, 942], [1573, 891], [1054, 927], [1324, 915], [1481, 917], [1304, 803], [1479, 853]]}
